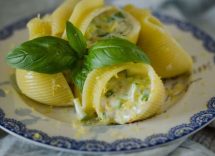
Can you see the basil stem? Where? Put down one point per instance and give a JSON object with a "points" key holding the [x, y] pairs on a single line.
{"points": [[76, 39]]}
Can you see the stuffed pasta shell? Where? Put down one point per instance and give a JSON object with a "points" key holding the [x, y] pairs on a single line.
{"points": [[168, 58], [97, 22], [110, 22], [49, 89], [123, 93], [81, 10]]}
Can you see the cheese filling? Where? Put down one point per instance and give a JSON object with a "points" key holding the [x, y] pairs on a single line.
{"points": [[124, 92], [110, 23]]}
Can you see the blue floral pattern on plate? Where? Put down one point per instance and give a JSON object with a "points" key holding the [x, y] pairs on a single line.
{"points": [[131, 144], [197, 121]]}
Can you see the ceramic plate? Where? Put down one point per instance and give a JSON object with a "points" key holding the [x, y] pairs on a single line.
{"points": [[190, 100]]}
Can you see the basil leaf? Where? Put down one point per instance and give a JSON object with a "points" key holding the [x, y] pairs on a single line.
{"points": [[45, 55], [108, 52], [76, 39], [114, 51], [79, 75]]}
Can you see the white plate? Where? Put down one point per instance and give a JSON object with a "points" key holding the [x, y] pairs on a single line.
{"points": [[57, 128]]}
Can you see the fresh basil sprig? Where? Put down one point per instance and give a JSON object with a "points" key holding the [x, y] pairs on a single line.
{"points": [[79, 75], [108, 52], [76, 39], [52, 55], [44, 54], [114, 51]]}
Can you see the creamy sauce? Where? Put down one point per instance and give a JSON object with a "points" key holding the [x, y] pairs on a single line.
{"points": [[107, 24], [124, 92]]}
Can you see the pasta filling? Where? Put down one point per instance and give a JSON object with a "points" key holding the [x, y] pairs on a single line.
{"points": [[110, 23], [124, 92]]}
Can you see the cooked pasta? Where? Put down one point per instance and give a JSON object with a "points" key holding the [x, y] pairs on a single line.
{"points": [[123, 93], [38, 27], [103, 61], [168, 58], [50, 89], [107, 22], [61, 15], [82, 9]]}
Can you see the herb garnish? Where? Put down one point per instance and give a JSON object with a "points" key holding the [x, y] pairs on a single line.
{"points": [[76, 39], [109, 93], [44, 55], [52, 55], [119, 14], [145, 95]]}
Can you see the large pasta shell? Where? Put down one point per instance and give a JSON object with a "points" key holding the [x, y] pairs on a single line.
{"points": [[131, 36], [50, 89], [61, 15], [82, 9], [39, 27], [168, 58], [98, 79], [87, 93]]}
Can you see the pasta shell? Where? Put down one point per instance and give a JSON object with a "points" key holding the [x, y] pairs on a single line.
{"points": [[97, 81], [50, 89], [134, 30], [38, 27], [88, 19], [168, 58], [61, 15], [81, 10], [47, 18], [87, 94]]}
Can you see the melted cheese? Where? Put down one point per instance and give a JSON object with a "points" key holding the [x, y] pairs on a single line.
{"points": [[123, 92], [109, 23]]}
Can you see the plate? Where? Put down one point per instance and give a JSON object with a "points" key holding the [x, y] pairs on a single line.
{"points": [[190, 100]]}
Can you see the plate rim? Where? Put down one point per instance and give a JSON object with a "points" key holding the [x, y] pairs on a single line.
{"points": [[197, 121]]}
